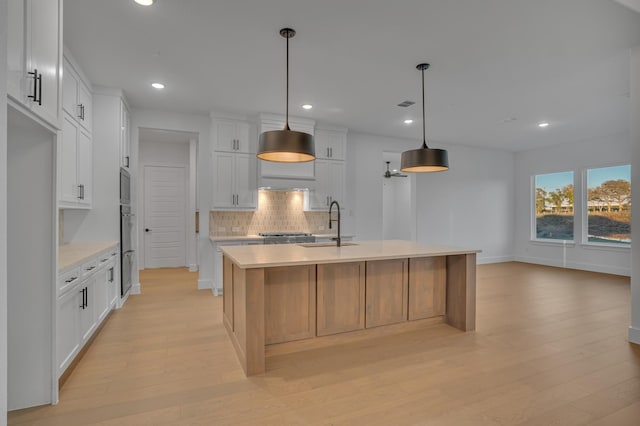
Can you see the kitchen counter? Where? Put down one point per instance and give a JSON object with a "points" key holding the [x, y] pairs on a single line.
{"points": [[306, 297], [296, 254], [223, 238], [73, 254]]}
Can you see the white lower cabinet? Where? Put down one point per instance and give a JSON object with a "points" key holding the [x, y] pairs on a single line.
{"points": [[68, 328], [217, 260], [86, 296]]}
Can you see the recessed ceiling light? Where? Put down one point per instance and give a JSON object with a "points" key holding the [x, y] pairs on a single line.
{"points": [[408, 121], [543, 124], [307, 106], [157, 86], [144, 2]]}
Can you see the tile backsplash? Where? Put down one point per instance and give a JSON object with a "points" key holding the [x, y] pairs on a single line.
{"points": [[277, 211]]}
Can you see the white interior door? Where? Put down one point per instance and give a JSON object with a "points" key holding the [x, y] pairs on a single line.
{"points": [[164, 216]]}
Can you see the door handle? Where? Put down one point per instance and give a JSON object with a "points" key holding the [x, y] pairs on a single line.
{"points": [[147, 230]]}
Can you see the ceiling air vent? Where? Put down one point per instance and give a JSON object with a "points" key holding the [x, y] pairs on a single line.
{"points": [[405, 104]]}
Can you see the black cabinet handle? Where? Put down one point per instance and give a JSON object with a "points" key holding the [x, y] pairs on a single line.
{"points": [[147, 230], [111, 275], [127, 158], [39, 89], [81, 190], [70, 280], [82, 109], [35, 85]]}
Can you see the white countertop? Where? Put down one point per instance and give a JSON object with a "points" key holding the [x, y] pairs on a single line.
{"points": [[72, 254], [263, 256]]}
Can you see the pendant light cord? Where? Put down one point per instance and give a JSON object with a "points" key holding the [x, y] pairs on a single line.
{"points": [[286, 126], [424, 134]]}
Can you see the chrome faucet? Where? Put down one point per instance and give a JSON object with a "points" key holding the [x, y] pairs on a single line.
{"points": [[334, 220]]}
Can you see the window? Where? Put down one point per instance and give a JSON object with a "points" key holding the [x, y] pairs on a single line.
{"points": [[554, 206], [609, 205]]}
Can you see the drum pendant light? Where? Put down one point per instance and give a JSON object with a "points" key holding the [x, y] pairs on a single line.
{"points": [[424, 159], [286, 146]]}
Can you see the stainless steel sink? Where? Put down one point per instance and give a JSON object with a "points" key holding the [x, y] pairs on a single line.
{"points": [[327, 244]]}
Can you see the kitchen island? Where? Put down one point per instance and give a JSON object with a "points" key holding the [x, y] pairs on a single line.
{"points": [[274, 295]]}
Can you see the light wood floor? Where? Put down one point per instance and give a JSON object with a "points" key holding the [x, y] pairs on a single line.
{"points": [[550, 349]]}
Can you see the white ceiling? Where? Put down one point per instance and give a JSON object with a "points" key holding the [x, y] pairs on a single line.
{"points": [[498, 66]]}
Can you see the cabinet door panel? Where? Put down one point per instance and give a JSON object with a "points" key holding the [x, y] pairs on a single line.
{"points": [[335, 187], [341, 297], [245, 178], [242, 135], [68, 328], [386, 293], [16, 64], [68, 162], [319, 196], [225, 135], [85, 167], [70, 91], [88, 314], [85, 99], [427, 287], [223, 175], [45, 50], [289, 303]]}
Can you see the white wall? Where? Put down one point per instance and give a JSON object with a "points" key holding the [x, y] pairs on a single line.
{"points": [[574, 157], [151, 119], [167, 154], [3, 213], [31, 267], [634, 328], [471, 205]]}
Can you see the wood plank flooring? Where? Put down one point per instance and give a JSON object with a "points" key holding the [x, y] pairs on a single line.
{"points": [[550, 349]]}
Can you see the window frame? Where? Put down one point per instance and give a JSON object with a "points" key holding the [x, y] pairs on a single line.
{"points": [[585, 243], [533, 211]]}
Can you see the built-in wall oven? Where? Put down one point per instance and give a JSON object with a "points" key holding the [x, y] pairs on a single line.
{"points": [[126, 232]]}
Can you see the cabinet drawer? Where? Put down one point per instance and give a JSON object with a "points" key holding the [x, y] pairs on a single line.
{"points": [[68, 279], [89, 267]]}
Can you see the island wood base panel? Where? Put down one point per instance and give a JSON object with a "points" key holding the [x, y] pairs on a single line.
{"points": [[290, 308]]}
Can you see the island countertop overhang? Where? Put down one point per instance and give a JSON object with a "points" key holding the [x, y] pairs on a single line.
{"points": [[258, 256]]}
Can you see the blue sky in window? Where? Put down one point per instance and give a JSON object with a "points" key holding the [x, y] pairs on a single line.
{"points": [[552, 181], [595, 177]]}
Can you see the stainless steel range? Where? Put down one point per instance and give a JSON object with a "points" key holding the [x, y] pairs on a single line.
{"points": [[287, 237]]}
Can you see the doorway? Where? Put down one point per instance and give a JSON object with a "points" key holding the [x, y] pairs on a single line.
{"points": [[164, 216], [398, 200], [167, 198]]}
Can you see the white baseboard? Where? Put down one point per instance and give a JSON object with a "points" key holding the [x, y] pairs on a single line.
{"points": [[494, 259], [634, 335], [204, 284], [604, 269], [193, 268], [135, 289]]}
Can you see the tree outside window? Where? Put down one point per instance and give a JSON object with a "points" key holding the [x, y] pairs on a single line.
{"points": [[609, 205], [554, 206]]}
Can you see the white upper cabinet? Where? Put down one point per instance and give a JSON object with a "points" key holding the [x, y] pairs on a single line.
{"points": [[125, 140], [76, 96], [34, 53], [234, 181], [231, 136], [75, 166], [330, 182], [331, 144]]}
